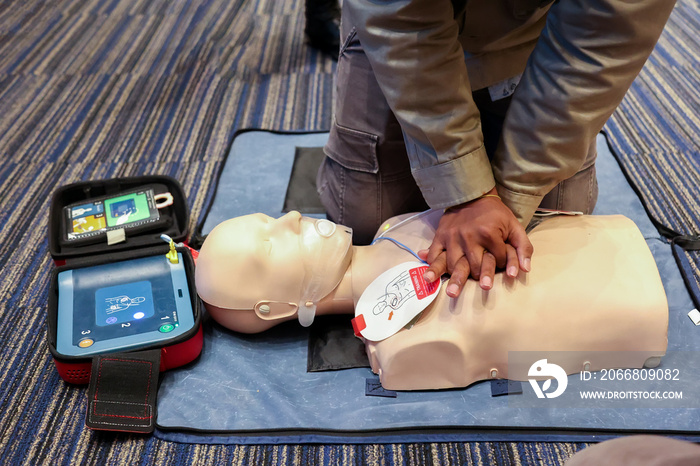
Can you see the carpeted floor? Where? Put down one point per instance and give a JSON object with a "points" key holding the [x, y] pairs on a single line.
{"points": [[106, 88]]}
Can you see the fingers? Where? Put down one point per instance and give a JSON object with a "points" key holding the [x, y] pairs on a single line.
{"points": [[461, 270], [512, 265], [423, 254], [436, 248], [460, 274], [436, 259], [455, 254], [488, 270], [494, 243], [485, 239], [436, 268], [474, 256], [475, 239], [518, 238]]}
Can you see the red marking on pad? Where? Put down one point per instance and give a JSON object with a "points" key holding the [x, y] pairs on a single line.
{"points": [[423, 288], [358, 324], [391, 314]]}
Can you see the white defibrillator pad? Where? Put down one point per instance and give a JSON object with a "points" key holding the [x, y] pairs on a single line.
{"points": [[392, 300]]}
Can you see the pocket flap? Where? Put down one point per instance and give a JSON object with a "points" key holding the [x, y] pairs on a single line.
{"points": [[353, 149]]}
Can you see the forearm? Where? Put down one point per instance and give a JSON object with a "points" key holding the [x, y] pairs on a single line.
{"points": [[586, 59]]}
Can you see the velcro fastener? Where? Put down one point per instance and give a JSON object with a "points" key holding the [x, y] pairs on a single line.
{"points": [[122, 392]]}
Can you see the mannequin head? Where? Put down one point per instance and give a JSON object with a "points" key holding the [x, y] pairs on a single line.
{"points": [[254, 271]]}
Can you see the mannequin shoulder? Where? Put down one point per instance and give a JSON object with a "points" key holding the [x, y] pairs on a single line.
{"points": [[421, 224], [416, 231]]}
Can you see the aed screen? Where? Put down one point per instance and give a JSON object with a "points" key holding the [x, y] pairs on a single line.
{"points": [[140, 298]]}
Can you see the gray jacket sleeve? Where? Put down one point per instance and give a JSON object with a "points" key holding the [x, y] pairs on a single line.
{"points": [[413, 48], [585, 61]]}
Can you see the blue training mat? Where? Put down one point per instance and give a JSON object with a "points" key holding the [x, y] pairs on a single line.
{"points": [[255, 389], [256, 173]]}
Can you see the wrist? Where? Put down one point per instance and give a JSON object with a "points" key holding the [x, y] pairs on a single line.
{"points": [[491, 193]]}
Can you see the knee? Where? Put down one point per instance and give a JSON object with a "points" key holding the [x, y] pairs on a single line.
{"points": [[578, 193]]}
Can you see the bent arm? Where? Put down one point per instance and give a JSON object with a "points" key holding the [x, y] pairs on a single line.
{"points": [[584, 63], [418, 62]]}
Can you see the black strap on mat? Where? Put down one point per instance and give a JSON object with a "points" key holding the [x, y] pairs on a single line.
{"points": [[122, 392], [688, 243]]}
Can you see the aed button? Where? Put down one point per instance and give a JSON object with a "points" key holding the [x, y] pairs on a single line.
{"points": [[166, 328], [86, 343]]}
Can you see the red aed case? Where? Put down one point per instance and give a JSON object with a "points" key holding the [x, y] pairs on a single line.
{"points": [[113, 404]]}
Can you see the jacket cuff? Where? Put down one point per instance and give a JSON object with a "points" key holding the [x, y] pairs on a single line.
{"points": [[522, 205], [457, 181]]}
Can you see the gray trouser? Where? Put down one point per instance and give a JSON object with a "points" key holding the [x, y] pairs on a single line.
{"points": [[365, 177]]}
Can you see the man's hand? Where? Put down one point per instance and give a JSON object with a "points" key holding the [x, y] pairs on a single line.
{"points": [[473, 239]]}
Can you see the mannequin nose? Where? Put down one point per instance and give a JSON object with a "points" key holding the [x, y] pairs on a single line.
{"points": [[290, 220]]}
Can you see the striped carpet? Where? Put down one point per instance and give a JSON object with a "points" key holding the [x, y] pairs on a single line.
{"points": [[655, 134], [105, 88]]}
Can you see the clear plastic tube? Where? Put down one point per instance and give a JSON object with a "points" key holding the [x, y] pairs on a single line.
{"points": [[326, 246]]}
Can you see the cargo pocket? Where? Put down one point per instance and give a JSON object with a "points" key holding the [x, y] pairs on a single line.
{"points": [[348, 180], [353, 149]]}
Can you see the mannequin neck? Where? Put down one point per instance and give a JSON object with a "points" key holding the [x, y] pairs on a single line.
{"points": [[368, 262], [341, 299]]}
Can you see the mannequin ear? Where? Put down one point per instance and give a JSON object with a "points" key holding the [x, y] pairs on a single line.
{"points": [[273, 310]]}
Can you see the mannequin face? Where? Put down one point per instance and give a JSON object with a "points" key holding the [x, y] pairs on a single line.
{"points": [[274, 250], [257, 258]]}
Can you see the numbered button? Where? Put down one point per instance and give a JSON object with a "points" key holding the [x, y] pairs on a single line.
{"points": [[166, 328], [86, 343]]}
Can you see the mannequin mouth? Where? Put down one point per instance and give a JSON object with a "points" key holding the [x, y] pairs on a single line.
{"points": [[325, 248], [325, 228]]}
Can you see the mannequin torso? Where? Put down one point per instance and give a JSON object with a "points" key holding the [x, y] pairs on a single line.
{"points": [[593, 297]]}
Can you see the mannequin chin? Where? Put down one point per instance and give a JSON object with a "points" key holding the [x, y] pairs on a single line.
{"points": [[593, 297]]}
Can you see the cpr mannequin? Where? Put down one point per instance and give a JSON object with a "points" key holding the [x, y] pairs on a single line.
{"points": [[593, 299]]}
